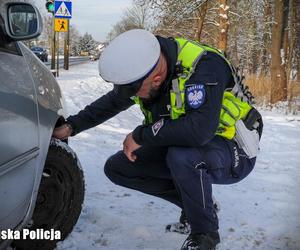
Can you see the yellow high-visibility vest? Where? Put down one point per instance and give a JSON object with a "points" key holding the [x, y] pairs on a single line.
{"points": [[233, 108]]}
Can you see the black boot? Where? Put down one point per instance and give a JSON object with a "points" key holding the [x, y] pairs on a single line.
{"points": [[182, 218], [182, 227], [207, 241], [216, 205]]}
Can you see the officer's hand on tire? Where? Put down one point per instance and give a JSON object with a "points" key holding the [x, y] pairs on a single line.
{"points": [[129, 146], [62, 132]]}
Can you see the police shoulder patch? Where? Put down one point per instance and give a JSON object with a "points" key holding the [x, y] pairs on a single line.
{"points": [[195, 95], [157, 126]]}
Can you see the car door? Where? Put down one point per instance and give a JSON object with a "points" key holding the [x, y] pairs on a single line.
{"points": [[19, 138]]}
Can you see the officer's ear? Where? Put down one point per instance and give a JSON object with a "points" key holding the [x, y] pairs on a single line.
{"points": [[156, 80]]}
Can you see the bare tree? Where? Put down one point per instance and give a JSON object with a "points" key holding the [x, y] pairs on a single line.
{"points": [[278, 74], [262, 37], [47, 30], [224, 24], [200, 15], [294, 57], [266, 42], [184, 18], [74, 41], [136, 17]]}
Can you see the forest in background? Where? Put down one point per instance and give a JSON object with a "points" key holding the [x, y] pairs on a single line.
{"points": [[260, 37]]}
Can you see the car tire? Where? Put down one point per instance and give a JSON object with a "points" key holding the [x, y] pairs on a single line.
{"points": [[60, 196]]}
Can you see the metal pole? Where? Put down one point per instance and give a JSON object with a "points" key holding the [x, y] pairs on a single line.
{"points": [[57, 67], [53, 45], [67, 48]]}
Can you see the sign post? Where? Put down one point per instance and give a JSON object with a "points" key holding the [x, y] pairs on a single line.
{"points": [[66, 49], [57, 51], [53, 48], [63, 12]]}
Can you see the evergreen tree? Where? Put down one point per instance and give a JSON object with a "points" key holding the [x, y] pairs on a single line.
{"points": [[87, 43]]}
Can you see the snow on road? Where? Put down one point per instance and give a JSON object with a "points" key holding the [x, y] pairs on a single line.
{"points": [[261, 212]]}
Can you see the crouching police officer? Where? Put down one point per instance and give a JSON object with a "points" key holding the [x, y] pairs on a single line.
{"points": [[199, 129]]}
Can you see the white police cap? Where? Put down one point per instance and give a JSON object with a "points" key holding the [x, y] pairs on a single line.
{"points": [[129, 57]]}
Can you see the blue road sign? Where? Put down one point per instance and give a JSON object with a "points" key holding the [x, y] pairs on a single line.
{"points": [[63, 9]]}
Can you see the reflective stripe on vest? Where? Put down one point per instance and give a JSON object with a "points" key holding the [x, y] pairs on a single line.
{"points": [[189, 54]]}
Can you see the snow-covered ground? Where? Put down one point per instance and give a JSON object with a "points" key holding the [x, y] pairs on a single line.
{"points": [[261, 212]]}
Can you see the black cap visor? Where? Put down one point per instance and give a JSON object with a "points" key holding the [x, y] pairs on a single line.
{"points": [[129, 90]]}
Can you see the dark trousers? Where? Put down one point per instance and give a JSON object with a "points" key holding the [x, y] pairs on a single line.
{"points": [[183, 176]]}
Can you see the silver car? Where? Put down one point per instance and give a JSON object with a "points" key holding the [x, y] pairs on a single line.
{"points": [[41, 182]]}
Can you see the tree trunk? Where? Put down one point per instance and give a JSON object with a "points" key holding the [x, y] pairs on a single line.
{"points": [[265, 62], [234, 57], [224, 25], [278, 74], [254, 60], [286, 36], [292, 39], [296, 52], [298, 70], [200, 21]]}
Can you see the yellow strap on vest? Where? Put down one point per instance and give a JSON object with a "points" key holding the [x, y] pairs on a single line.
{"points": [[188, 55], [147, 114], [233, 109]]}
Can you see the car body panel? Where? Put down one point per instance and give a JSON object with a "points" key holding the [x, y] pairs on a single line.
{"points": [[19, 136], [31, 103], [18, 108]]}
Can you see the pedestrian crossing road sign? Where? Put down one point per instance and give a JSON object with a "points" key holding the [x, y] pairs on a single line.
{"points": [[63, 9], [61, 25]]}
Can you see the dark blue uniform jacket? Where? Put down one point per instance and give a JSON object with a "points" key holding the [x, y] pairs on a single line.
{"points": [[194, 129]]}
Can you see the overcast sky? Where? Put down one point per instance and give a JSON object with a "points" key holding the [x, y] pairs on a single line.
{"points": [[95, 16]]}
